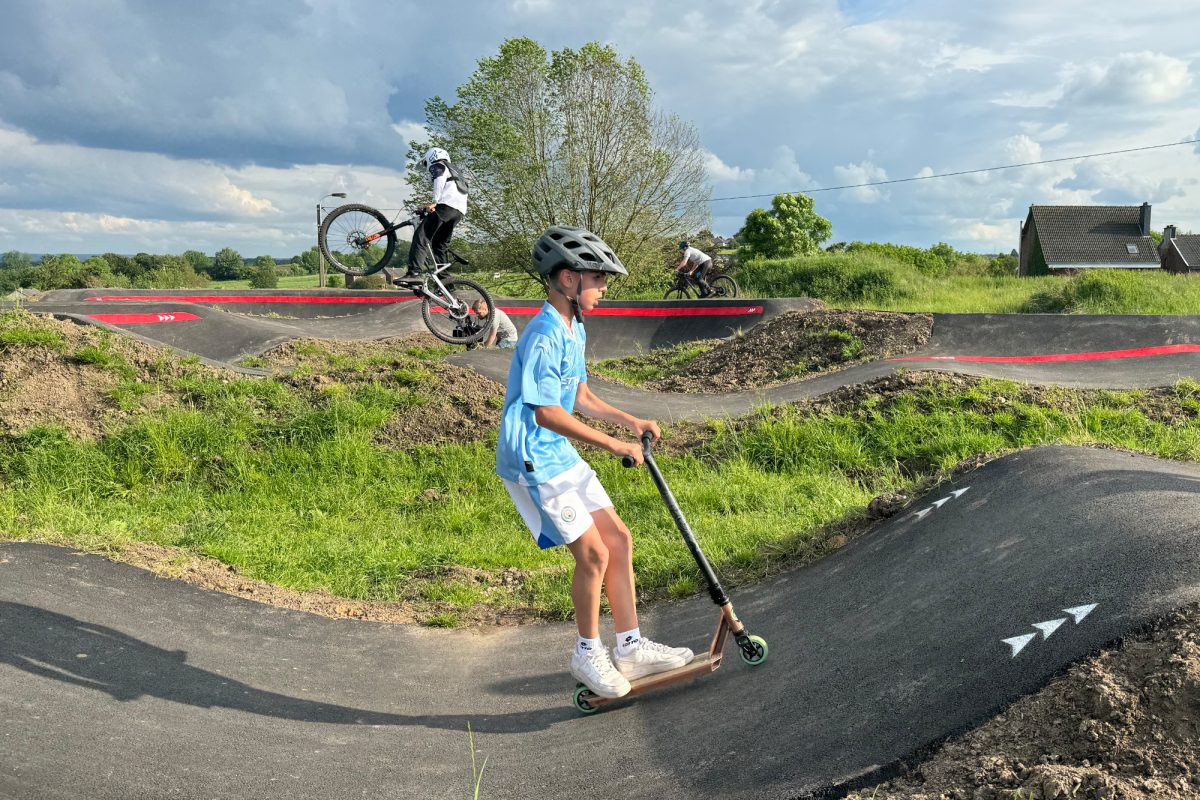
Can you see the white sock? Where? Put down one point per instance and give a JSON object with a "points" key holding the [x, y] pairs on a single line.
{"points": [[627, 641], [586, 646]]}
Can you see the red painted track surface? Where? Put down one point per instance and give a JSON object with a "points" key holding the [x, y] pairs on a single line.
{"points": [[717, 311], [1100, 355], [145, 319], [244, 298]]}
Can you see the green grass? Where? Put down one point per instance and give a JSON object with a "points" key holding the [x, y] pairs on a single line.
{"points": [[872, 281], [659, 363], [285, 282], [284, 478]]}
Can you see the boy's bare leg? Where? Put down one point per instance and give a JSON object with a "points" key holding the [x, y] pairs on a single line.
{"points": [[618, 577], [591, 562]]}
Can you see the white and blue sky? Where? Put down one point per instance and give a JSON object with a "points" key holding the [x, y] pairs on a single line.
{"points": [[165, 125]]}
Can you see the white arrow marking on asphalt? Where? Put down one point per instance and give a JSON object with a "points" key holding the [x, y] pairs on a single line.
{"points": [[921, 514], [1017, 643], [1047, 628], [1079, 612]]}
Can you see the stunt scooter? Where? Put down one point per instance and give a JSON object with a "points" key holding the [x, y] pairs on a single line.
{"points": [[753, 649]]}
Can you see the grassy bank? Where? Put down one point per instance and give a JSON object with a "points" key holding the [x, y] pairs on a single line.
{"points": [[316, 480], [285, 282], [874, 281]]}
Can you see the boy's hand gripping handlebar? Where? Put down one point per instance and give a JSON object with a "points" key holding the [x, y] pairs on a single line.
{"points": [[647, 438]]}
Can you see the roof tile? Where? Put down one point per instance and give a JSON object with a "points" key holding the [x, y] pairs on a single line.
{"points": [[1189, 246], [1092, 235]]}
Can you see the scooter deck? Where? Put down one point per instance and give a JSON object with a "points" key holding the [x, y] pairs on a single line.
{"points": [[701, 665]]}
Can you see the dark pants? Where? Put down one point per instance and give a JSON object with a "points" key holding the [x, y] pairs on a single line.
{"points": [[431, 239]]}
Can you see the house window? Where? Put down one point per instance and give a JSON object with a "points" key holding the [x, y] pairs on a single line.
{"points": [[1131, 249]]}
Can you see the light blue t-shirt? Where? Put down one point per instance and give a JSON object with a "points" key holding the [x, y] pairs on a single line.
{"points": [[546, 370]]}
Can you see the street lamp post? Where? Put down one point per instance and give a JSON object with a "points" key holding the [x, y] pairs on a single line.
{"points": [[320, 255]]}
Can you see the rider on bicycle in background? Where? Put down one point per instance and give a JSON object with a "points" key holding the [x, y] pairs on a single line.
{"points": [[696, 263], [431, 239]]}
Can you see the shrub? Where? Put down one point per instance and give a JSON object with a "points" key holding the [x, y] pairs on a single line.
{"points": [[369, 282], [1107, 291], [839, 278]]}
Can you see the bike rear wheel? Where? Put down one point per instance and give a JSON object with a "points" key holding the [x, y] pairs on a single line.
{"points": [[460, 323], [352, 240], [723, 286]]}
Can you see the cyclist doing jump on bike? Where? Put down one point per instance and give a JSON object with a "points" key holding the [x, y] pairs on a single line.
{"points": [[431, 239], [696, 263]]}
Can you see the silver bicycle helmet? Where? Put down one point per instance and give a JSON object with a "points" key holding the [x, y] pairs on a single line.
{"points": [[576, 249]]}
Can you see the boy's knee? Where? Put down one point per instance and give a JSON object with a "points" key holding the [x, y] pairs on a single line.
{"points": [[595, 558], [620, 542]]}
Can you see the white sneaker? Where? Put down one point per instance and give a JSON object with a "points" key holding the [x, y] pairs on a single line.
{"points": [[596, 672], [650, 658]]}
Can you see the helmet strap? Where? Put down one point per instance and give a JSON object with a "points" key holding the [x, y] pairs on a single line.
{"points": [[572, 298], [575, 300]]}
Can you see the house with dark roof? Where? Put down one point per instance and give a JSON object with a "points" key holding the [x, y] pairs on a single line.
{"points": [[1060, 239], [1179, 253]]}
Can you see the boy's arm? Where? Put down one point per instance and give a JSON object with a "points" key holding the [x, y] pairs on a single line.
{"points": [[556, 418], [591, 405]]}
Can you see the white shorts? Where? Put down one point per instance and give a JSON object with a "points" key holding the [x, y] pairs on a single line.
{"points": [[559, 510]]}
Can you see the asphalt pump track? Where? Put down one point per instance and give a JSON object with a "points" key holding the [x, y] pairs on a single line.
{"points": [[117, 683]]}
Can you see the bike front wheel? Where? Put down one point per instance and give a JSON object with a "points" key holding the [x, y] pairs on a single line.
{"points": [[353, 240], [723, 286], [453, 317], [678, 292]]}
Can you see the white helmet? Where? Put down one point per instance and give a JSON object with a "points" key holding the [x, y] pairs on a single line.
{"points": [[434, 155]]}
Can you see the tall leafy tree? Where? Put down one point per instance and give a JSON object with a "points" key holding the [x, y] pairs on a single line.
{"points": [[569, 137], [228, 265], [15, 259], [199, 261], [264, 275], [792, 227]]}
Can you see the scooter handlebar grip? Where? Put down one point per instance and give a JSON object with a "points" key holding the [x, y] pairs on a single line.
{"points": [[627, 461]]}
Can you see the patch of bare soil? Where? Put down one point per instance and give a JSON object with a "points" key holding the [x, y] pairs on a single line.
{"points": [[46, 383], [798, 345], [208, 573], [1122, 725], [449, 403]]}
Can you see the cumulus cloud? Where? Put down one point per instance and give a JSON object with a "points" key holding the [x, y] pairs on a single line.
{"points": [[206, 115], [411, 131], [1129, 79], [107, 191], [718, 170], [1127, 182], [863, 172]]}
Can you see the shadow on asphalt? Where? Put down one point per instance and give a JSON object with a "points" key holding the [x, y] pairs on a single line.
{"points": [[62, 648]]}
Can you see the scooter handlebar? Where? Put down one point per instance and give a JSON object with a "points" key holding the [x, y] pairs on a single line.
{"points": [[647, 438]]}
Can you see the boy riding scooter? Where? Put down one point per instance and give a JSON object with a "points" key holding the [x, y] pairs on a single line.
{"points": [[556, 492]]}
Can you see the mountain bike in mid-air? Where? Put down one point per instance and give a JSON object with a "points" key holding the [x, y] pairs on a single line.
{"points": [[359, 240]]}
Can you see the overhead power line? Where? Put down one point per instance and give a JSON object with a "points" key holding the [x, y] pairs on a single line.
{"points": [[814, 189]]}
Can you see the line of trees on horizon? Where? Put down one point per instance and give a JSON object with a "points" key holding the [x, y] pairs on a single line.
{"points": [[190, 269]]}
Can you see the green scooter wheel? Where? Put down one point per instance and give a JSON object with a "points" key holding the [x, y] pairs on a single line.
{"points": [[580, 700], [753, 650]]}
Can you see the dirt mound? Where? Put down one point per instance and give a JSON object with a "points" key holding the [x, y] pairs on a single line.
{"points": [[58, 372], [1124, 724], [798, 345], [450, 403]]}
